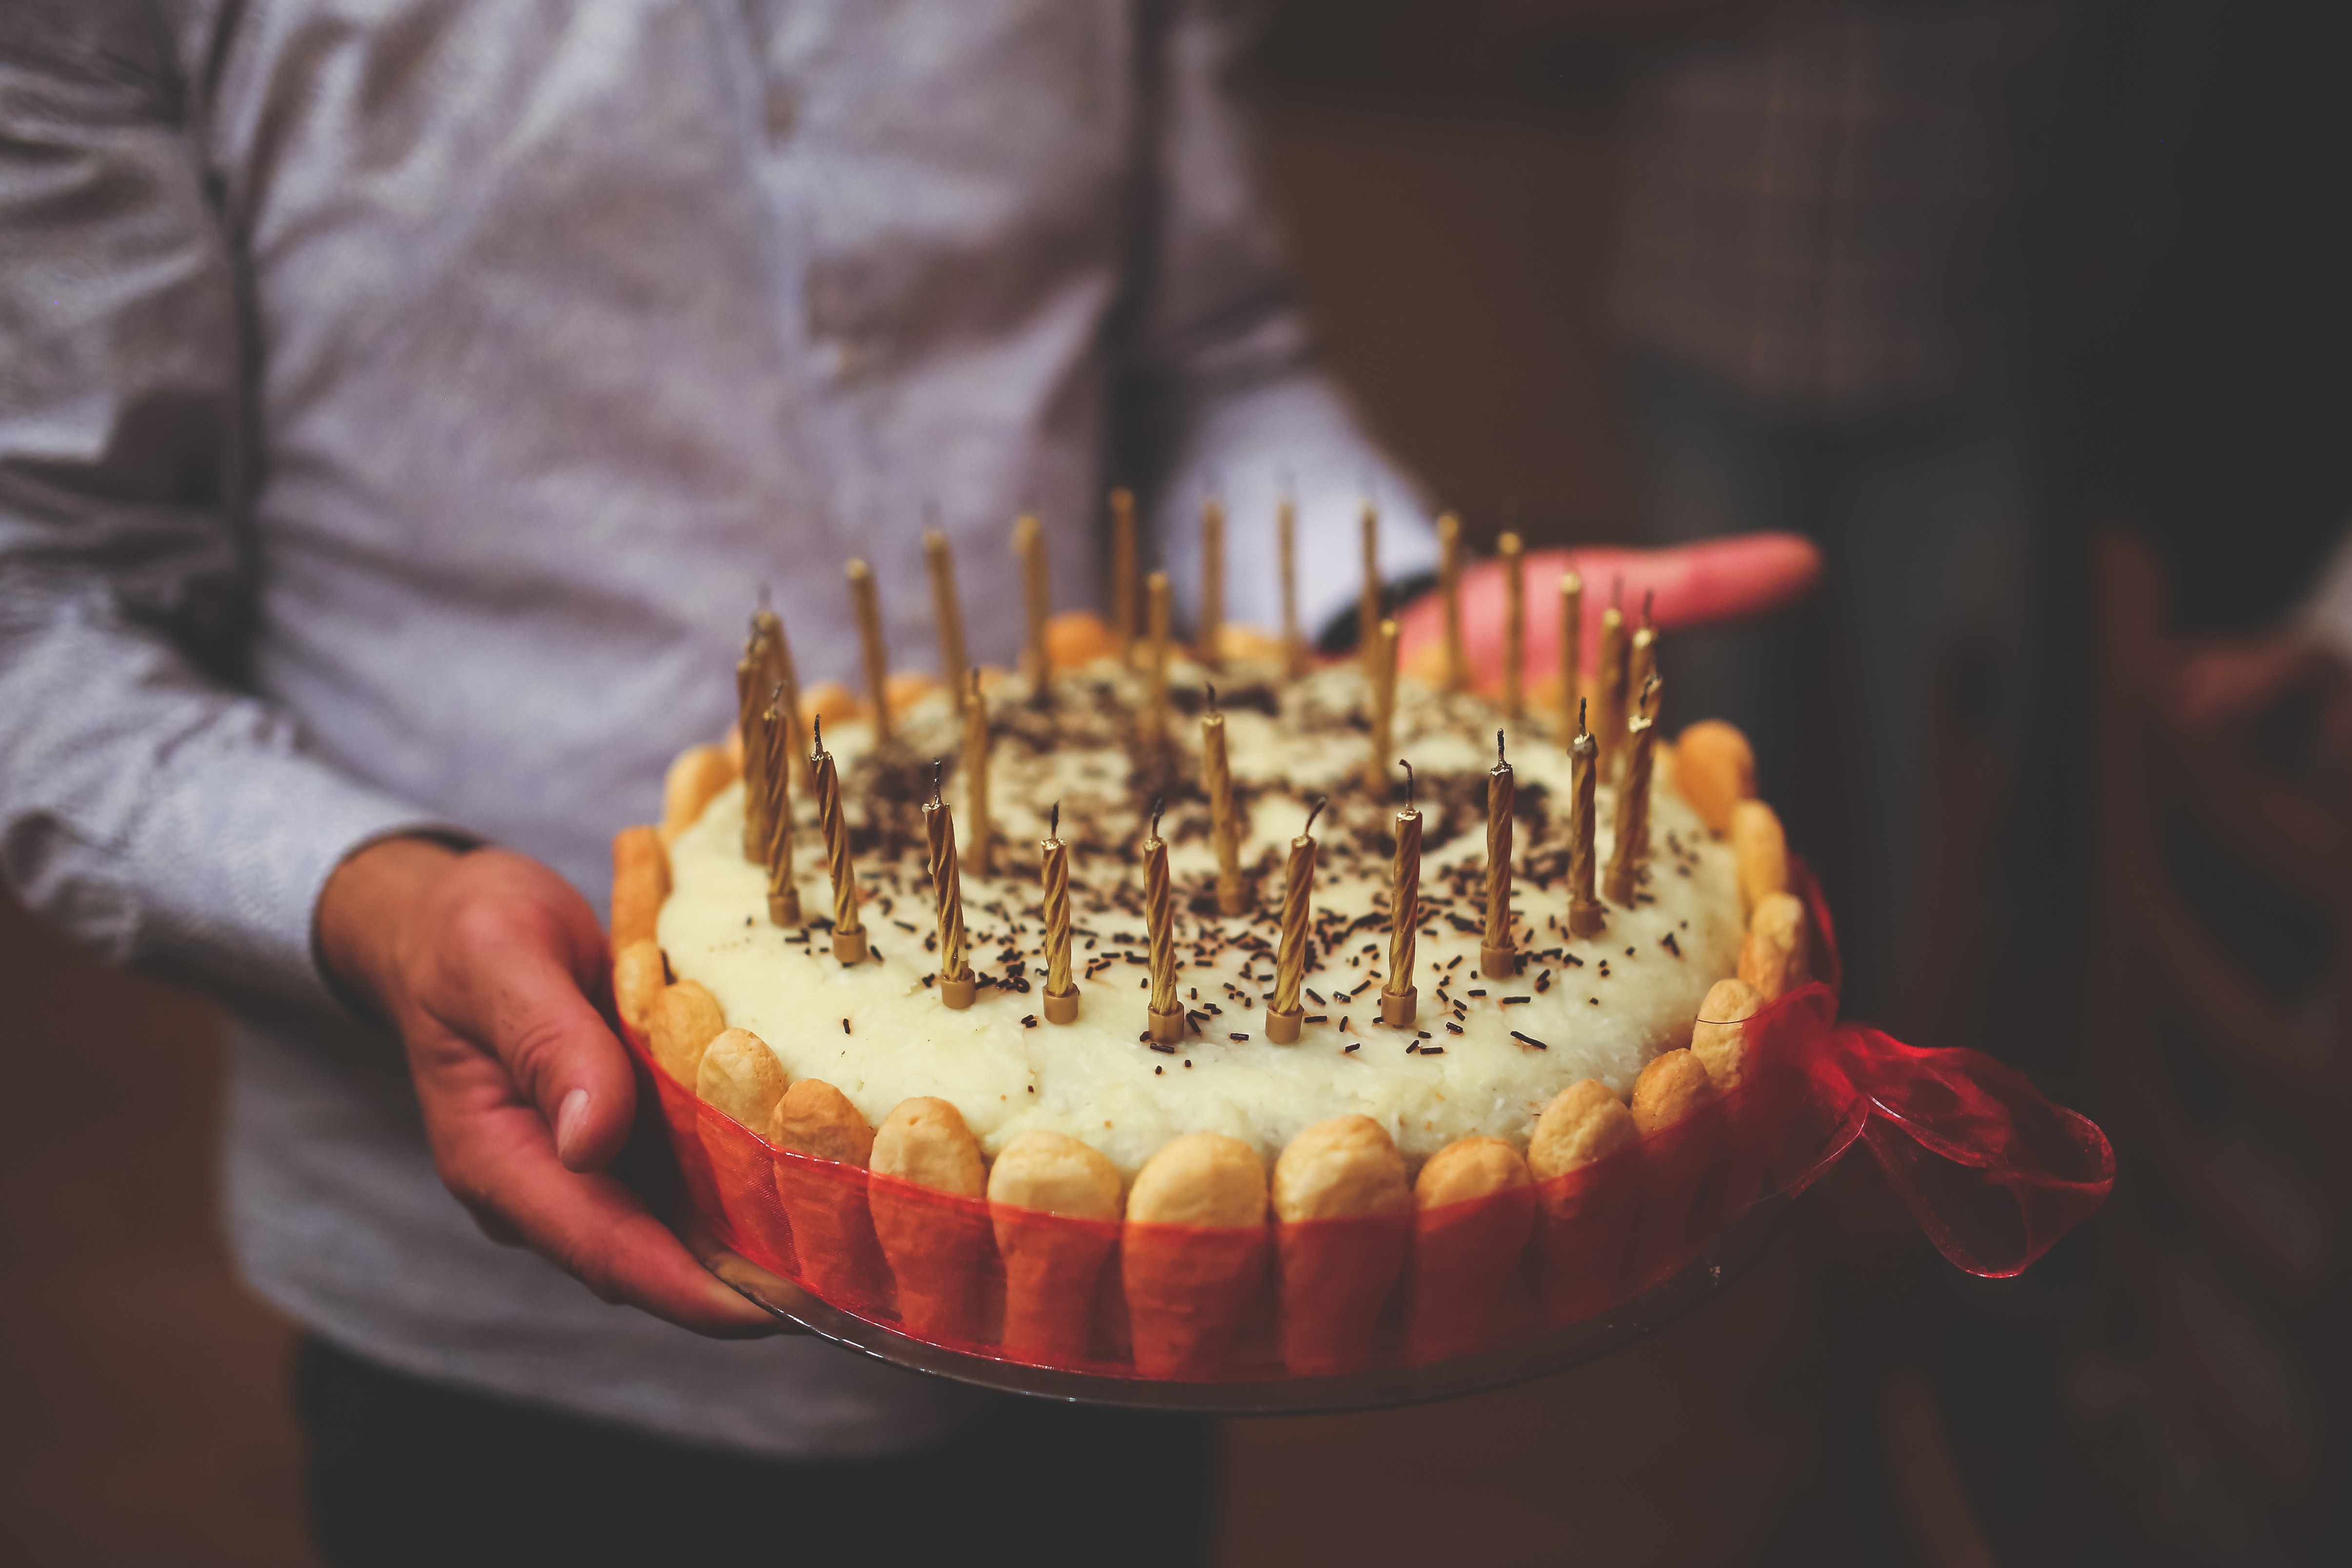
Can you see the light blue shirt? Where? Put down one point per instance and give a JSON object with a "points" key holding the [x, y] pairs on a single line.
{"points": [[400, 405]]}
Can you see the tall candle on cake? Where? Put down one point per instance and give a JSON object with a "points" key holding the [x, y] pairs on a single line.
{"points": [[1498, 956], [1053, 870], [957, 987], [1165, 1021], [1631, 851], [1515, 626], [1224, 828], [1585, 916], [1400, 1000], [867, 604], [848, 932], [975, 779], [947, 612], [1284, 1014], [776, 776]]}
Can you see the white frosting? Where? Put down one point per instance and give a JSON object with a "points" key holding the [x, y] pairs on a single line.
{"points": [[1095, 1079]]}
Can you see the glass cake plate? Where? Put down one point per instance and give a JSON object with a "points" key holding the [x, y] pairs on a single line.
{"points": [[1708, 1276]]}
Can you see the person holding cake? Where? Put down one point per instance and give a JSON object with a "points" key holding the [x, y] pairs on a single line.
{"points": [[398, 417]]}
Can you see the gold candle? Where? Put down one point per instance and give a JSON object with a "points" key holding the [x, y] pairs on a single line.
{"points": [[1384, 689], [751, 725], [1167, 1017], [1449, 585], [783, 898], [1609, 732], [1036, 596], [1061, 995], [1155, 734], [779, 670], [848, 934], [1284, 1014], [1367, 610], [1498, 957], [1642, 656], [1224, 831], [1213, 579], [1122, 569], [1585, 915], [863, 599], [1400, 1002], [1631, 852], [1286, 540], [947, 610], [1515, 626], [957, 985], [975, 779], [1572, 653]]}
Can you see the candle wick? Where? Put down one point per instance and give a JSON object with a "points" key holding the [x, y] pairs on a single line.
{"points": [[1581, 703], [816, 736], [1158, 806], [975, 682], [939, 764], [1408, 783], [1498, 750], [1649, 596], [1213, 695], [1054, 822], [1321, 801]]}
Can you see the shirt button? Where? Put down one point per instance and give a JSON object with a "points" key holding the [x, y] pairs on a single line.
{"points": [[781, 108]]}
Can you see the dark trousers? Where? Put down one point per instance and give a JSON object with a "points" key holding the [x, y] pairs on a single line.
{"points": [[405, 1471]]}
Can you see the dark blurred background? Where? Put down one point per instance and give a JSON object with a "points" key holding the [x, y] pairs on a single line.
{"points": [[2035, 315]]}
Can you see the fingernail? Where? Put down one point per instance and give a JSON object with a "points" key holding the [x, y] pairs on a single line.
{"points": [[569, 1118]]}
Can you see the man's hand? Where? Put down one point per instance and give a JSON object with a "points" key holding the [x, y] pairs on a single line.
{"points": [[1691, 584], [487, 963]]}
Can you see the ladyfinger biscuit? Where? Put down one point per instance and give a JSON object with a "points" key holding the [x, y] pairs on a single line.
{"points": [[1077, 638], [1761, 851], [640, 883], [1584, 1123], [686, 1018], [1715, 770], [1719, 1039], [1053, 1268], [1201, 1178], [1672, 1087], [1468, 1169], [815, 1119], [1193, 1252], [925, 1141], [1337, 1275], [1477, 1208], [694, 779], [739, 1077], [1773, 957], [1054, 1173], [933, 1249], [1346, 1165], [637, 981], [832, 1224]]}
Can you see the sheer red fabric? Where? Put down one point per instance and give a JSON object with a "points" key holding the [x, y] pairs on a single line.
{"points": [[1993, 1172]]}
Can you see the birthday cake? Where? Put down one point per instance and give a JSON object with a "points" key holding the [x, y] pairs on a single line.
{"points": [[1133, 936]]}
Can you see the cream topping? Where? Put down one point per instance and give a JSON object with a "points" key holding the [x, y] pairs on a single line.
{"points": [[1601, 1007]]}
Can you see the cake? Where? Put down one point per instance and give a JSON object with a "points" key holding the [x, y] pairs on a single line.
{"points": [[1502, 1067]]}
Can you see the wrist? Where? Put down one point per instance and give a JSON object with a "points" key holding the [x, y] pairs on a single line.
{"points": [[365, 913]]}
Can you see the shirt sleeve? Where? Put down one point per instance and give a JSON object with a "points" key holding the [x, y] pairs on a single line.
{"points": [[147, 806], [1228, 396]]}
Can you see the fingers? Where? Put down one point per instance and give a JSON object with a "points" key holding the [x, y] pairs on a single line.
{"points": [[497, 1153], [508, 971], [1690, 584]]}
